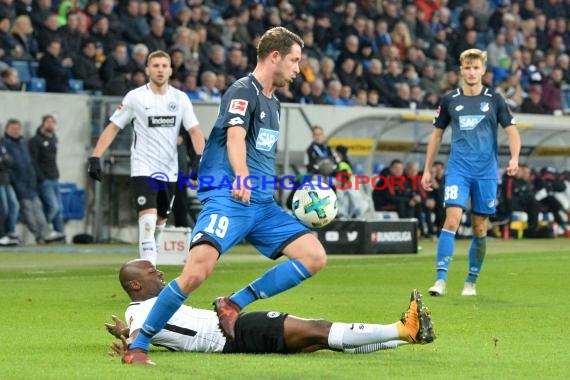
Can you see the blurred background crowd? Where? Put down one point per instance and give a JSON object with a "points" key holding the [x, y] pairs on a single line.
{"points": [[401, 54]]}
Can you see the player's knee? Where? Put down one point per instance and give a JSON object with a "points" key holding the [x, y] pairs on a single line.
{"points": [[190, 280], [315, 260], [479, 230], [451, 224], [321, 328]]}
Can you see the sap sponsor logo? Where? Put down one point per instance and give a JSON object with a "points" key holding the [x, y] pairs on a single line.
{"points": [[484, 106], [469, 122], [162, 121], [459, 108], [391, 236], [238, 106], [236, 121], [266, 138]]}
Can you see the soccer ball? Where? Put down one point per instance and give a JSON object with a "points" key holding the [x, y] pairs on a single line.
{"points": [[314, 204]]}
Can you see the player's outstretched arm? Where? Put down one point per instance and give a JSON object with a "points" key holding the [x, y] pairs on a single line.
{"points": [[106, 138], [432, 149], [197, 138], [515, 148], [237, 154]]}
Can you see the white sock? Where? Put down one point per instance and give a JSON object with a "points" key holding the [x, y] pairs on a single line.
{"points": [[344, 335], [158, 234], [373, 347], [147, 244]]}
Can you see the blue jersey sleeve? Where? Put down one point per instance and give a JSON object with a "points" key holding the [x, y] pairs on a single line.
{"points": [[442, 118], [504, 114], [238, 106]]}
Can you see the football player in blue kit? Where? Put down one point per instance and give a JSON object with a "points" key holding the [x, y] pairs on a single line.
{"points": [[236, 189], [473, 111]]}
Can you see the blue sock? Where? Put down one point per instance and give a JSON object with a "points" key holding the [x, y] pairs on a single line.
{"points": [[477, 253], [445, 246], [169, 301], [276, 280]]}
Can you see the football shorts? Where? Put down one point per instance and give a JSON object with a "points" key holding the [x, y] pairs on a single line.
{"points": [[483, 193], [155, 194], [225, 222], [258, 332]]}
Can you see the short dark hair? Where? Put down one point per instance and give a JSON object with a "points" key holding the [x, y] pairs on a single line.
{"points": [[46, 117], [12, 121], [277, 39]]}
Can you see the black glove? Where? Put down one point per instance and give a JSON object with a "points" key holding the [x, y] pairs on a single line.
{"points": [[94, 168]]}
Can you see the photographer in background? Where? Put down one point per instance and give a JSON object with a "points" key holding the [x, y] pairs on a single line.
{"points": [[320, 158]]}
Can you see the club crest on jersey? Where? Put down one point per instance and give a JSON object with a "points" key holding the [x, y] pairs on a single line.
{"points": [[238, 106], [266, 138], [469, 122], [172, 106], [484, 106]]}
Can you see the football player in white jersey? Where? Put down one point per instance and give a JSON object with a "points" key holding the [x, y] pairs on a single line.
{"points": [[197, 330], [156, 111]]}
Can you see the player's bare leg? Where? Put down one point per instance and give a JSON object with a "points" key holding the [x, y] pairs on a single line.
{"points": [[309, 251], [307, 256]]}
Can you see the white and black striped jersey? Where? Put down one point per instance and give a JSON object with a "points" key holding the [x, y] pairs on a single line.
{"points": [[156, 121], [189, 329]]}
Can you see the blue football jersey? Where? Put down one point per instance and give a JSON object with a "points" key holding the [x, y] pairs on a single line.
{"points": [[243, 106], [474, 123]]}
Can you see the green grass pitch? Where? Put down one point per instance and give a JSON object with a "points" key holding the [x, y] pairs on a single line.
{"points": [[54, 306]]}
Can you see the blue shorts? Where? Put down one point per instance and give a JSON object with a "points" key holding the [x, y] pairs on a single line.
{"points": [[483, 193], [225, 222]]}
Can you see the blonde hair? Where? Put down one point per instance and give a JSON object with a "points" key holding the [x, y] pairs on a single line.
{"points": [[19, 22], [157, 54], [472, 55]]}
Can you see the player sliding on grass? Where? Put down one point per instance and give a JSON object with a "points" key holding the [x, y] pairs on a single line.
{"points": [[243, 142], [473, 111], [197, 330]]}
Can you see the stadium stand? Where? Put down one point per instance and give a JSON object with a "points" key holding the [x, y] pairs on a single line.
{"points": [[389, 43]]}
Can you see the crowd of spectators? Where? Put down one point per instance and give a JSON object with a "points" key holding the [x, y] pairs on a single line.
{"points": [[357, 52]]}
